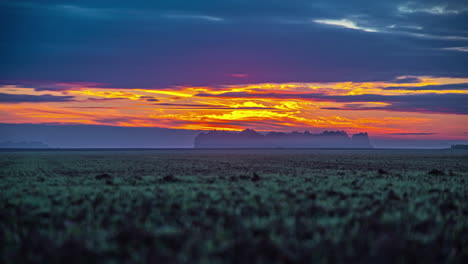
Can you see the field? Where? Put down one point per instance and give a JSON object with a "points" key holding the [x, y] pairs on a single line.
{"points": [[234, 206]]}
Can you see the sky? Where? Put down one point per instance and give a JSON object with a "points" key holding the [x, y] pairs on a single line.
{"points": [[394, 69]]}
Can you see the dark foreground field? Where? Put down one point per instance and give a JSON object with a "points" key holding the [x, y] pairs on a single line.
{"points": [[234, 206]]}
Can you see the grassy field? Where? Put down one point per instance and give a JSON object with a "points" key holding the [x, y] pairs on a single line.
{"points": [[234, 206]]}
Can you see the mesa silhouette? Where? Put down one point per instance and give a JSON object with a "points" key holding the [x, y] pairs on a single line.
{"points": [[249, 138]]}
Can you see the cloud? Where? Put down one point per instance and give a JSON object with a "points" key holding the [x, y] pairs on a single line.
{"points": [[149, 98], [69, 9], [211, 106], [84, 11], [238, 75], [40, 86], [194, 17], [432, 36], [26, 98], [440, 87], [112, 12], [411, 27], [173, 36], [412, 7], [104, 99], [421, 103], [413, 134], [461, 49], [407, 79], [346, 23], [99, 107]]}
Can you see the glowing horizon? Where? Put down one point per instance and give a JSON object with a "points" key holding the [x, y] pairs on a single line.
{"points": [[391, 109]]}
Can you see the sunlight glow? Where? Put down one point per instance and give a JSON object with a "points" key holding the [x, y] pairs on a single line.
{"points": [[264, 107]]}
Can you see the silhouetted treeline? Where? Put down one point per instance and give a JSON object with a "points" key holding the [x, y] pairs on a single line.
{"points": [[251, 139]]}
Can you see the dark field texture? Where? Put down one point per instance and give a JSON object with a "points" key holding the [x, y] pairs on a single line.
{"points": [[234, 206]]}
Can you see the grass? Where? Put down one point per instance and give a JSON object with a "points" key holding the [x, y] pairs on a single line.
{"points": [[234, 206]]}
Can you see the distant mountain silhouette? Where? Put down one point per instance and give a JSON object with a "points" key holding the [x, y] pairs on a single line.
{"points": [[23, 144], [97, 136], [251, 139]]}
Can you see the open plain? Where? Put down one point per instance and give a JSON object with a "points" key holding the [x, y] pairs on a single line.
{"points": [[234, 206]]}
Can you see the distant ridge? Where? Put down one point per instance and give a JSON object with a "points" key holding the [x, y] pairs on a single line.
{"points": [[23, 144], [459, 146], [249, 138]]}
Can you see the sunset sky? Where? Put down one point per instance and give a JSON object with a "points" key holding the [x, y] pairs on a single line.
{"points": [[396, 69]]}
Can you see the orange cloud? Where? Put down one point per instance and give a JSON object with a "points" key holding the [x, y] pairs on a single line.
{"points": [[270, 106]]}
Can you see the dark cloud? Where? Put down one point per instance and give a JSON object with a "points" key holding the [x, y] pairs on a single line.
{"points": [[40, 86], [123, 119], [149, 98], [332, 108], [413, 134], [52, 88], [434, 103], [456, 86], [26, 98], [437, 103], [103, 99], [407, 80], [423, 103], [144, 44]]}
